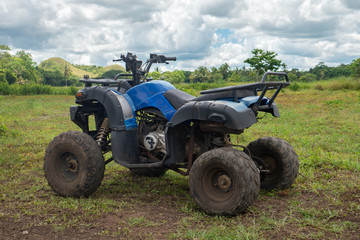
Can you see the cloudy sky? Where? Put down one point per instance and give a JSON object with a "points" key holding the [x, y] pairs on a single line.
{"points": [[198, 32]]}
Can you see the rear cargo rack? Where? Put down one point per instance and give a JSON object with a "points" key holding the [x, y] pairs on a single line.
{"points": [[261, 86], [103, 82]]}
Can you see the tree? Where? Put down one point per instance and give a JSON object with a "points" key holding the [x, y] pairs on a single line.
{"points": [[10, 77], [201, 74], [176, 77], [4, 47], [17, 68], [321, 71], [292, 77], [355, 68], [264, 61], [53, 78], [5, 58], [187, 75], [29, 72], [224, 71], [155, 75], [67, 73], [308, 77]]}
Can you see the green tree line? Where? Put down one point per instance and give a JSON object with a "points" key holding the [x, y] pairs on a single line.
{"points": [[20, 68]]}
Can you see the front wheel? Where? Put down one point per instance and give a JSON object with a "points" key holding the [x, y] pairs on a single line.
{"points": [[224, 181], [74, 165], [279, 160]]}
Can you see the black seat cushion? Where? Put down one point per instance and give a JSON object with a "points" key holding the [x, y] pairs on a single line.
{"points": [[234, 94], [177, 98]]}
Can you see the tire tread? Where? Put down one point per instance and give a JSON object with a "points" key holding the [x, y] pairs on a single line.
{"points": [[95, 165]]}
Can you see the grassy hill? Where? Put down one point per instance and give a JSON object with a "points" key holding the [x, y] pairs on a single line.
{"points": [[114, 67], [56, 63]]}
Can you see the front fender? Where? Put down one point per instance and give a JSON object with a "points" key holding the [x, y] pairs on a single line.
{"points": [[117, 106], [122, 121]]}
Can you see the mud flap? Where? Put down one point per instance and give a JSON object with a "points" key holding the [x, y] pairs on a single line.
{"points": [[124, 147]]}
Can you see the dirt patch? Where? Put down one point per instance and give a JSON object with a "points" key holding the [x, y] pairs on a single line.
{"points": [[296, 213]]}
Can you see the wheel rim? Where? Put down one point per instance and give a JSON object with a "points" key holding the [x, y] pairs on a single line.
{"points": [[271, 166], [67, 166], [218, 185]]}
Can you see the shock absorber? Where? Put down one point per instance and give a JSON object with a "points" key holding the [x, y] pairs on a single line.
{"points": [[103, 133]]}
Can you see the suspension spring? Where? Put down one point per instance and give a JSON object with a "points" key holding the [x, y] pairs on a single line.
{"points": [[103, 133]]}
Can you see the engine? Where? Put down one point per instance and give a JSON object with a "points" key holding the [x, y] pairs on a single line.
{"points": [[155, 141], [151, 136]]}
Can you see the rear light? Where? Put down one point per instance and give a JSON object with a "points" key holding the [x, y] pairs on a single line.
{"points": [[80, 95]]}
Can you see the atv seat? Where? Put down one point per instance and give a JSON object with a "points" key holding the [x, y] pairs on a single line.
{"points": [[227, 94], [177, 98]]}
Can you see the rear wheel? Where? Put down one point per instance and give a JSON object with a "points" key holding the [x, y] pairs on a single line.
{"points": [[224, 181], [74, 165], [278, 158]]}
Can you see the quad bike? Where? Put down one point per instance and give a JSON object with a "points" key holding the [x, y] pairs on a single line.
{"points": [[150, 127]]}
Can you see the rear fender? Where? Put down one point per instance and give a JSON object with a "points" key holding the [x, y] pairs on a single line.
{"points": [[232, 115], [216, 116]]}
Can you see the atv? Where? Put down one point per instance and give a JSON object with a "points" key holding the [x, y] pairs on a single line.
{"points": [[151, 127]]}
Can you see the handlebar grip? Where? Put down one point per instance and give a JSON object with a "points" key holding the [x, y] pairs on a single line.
{"points": [[170, 59]]}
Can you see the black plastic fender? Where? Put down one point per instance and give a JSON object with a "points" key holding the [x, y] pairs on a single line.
{"points": [[109, 100], [123, 142], [214, 111]]}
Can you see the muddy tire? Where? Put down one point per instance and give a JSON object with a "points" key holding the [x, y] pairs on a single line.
{"points": [[148, 172], [224, 181], [74, 165], [279, 158]]}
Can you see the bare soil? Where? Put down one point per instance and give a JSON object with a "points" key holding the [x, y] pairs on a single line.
{"points": [[164, 217]]}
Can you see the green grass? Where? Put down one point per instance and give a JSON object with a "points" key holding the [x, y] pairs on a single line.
{"points": [[335, 84], [323, 127], [36, 89]]}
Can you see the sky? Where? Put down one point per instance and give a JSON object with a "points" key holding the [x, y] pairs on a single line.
{"points": [[198, 32]]}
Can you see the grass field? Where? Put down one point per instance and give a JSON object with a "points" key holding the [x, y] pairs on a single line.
{"points": [[324, 202]]}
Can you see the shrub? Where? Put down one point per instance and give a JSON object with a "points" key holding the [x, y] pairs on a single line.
{"points": [[308, 77], [292, 77], [294, 86]]}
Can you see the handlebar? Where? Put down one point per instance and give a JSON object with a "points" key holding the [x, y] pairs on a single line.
{"points": [[154, 58], [170, 58], [137, 68], [128, 58]]}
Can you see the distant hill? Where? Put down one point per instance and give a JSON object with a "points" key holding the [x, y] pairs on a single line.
{"points": [[114, 67], [56, 63]]}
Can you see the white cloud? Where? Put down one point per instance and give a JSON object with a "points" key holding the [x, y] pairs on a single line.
{"points": [[204, 32]]}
